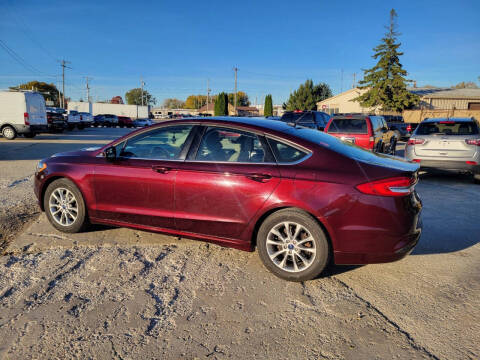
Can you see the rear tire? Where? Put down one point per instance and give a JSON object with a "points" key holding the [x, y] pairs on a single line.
{"points": [[476, 178], [393, 146], [292, 245], [65, 207], [9, 133]]}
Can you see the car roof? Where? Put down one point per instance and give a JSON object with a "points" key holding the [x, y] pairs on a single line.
{"points": [[252, 122], [456, 119]]}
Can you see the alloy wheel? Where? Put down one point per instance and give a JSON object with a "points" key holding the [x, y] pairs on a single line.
{"points": [[63, 206], [291, 246]]}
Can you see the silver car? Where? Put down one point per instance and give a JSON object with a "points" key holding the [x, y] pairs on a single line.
{"points": [[451, 144]]}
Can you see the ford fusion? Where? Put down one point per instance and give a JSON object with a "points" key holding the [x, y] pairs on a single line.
{"points": [[301, 197]]}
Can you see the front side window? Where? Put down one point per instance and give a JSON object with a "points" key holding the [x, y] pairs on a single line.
{"points": [[160, 144], [222, 144], [286, 153]]}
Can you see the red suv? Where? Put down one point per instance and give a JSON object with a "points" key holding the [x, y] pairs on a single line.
{"points": [[368, 131], [301, 197], [125, 121]]}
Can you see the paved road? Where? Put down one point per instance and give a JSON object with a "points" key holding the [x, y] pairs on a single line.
{"points": [[123, 293]]}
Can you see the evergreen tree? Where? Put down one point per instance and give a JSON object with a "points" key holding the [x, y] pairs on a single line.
{"points": [[386, 83], [307, 96], [221, 105], [268, 107]]}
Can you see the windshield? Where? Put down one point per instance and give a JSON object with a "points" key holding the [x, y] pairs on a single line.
{"points": [[447, 128], [348, 126]]}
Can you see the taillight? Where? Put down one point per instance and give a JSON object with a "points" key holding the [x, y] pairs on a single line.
{"points": [[371, 142], [415, 141], [25, 118], [416, 160], [397, 186], [409, 128], [473, 142], [471, 163]]}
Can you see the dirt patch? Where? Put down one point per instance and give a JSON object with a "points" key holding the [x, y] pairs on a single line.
{"points": [[13, 220]]}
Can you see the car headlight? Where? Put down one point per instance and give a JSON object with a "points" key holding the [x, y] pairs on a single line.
{"points": [[42, 165]]}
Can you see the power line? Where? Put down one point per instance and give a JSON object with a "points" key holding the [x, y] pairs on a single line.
{"points": [[20, 60]]}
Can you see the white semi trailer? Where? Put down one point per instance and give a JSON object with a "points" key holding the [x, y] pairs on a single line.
{"points": [[132, 111]]}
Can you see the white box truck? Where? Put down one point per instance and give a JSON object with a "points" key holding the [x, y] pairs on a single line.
{"points": [[22, 112]]}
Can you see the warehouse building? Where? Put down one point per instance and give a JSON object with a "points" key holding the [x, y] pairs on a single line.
{"points": [[430, 98]]}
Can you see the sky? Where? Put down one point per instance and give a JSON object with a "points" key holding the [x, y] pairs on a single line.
{"points": [[176, 46]]}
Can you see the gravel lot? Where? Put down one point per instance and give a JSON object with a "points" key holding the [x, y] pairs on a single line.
{"points": [[120, 293]]}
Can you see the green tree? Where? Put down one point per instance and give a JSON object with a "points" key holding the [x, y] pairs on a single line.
{"points": [[221, 105], [268, 107], [134, 97], [386, 82], [307, 96], [173, 103], [242, 98], [49, 91]]}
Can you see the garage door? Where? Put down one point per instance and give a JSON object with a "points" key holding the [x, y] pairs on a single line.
{"points": [[474, 106]]}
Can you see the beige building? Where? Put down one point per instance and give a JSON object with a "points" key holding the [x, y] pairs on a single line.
{"points": [[430, 98], [342, 103]]}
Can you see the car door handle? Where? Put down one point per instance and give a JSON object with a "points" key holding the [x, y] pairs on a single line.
{"points": [[259, 177], [161, 169]]}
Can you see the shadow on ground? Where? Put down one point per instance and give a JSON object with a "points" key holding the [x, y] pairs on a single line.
{"points": [[451, 204]]}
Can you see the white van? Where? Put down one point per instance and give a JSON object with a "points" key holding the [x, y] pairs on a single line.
{"points": [[22, 112]]}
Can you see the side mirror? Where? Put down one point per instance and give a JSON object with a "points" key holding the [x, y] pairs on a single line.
{"points": [[110, 153]]}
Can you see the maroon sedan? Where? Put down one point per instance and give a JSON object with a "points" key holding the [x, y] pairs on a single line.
{"points": [[299, 195]]}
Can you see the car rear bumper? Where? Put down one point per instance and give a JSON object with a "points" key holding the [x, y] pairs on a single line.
{"points": [[386, 232], [402, 248], [446, 165]]}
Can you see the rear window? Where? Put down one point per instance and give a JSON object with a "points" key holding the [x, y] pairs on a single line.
{"points": [[348, 126], [301, 117], [447, 128]]}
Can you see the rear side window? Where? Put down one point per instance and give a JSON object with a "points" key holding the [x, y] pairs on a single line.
{"points": [[223, 144], [286, 153], [348, 126], [447, 128]]}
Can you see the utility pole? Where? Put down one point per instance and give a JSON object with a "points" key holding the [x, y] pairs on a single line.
{"points": [[63, 64], [208, 93], [142, 84], [88, 88], [235, 94], [354, 80]]}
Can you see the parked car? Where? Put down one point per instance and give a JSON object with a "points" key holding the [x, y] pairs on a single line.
{"points": [[110, 120], [368, 131], [73, 120], [299, 195], [401, 129], [142, 122], [56, 122], [86, 119], [448, 144], [98, 120], [125, 121], [22, 113], [311, 119]]}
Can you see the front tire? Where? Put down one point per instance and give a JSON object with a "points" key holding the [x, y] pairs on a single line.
{"points": [[476, 178], [292, 245], [9, 133], [65, 207]]}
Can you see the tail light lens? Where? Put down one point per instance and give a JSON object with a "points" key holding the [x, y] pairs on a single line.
{"points": [[26, 118], [371, 142], [473, 142], [397, 186], [415, 141], [409, 128], [416, 160]]}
